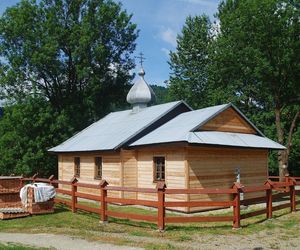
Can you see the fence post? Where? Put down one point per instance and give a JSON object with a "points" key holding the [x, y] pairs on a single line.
{"points": [[34, 177], [237, 205], [103, 208], [160, 187], [287, 180], [51, 178], [21, 183], [292, 181], [74, 197], [269, 199]]}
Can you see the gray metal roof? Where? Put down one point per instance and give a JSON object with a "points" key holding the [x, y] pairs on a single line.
{"points": [[182, 129], [115, 129]]}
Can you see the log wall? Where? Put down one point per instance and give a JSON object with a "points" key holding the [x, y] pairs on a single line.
{"points": [[111, 169], [229, 121], [175, 171], [212, 167]]}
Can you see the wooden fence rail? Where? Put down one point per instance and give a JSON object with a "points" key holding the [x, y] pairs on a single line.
{"points": [[274, 191]]}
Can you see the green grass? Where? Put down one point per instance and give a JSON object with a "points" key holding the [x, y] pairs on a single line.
{"points": [[144, 234], [10, 246]]}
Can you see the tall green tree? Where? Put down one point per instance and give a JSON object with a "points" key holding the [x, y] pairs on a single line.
{"points": [[75, 53], [27, 130], [189, 63], [256, 59]]}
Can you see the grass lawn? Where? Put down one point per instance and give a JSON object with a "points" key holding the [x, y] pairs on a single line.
{"points": [[16, 247], [125, 232]]}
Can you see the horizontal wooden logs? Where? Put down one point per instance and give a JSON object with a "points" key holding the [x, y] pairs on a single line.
{"points": [[62, 201], [199, 203], [178, 219], [255, 189], [280, 195], [255, 200], [131, 189], [297, 192], [88, 196], [254, 213], [87, 185], [132, 216], [88, 208], [279, 184], [63, 191], [200, 191], [131, 201], [62, 182], [282, 206]]}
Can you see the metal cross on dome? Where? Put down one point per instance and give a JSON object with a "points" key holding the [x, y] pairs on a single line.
{"points": [[141, 58]]}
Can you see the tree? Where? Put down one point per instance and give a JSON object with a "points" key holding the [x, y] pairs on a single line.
{"points": [[189, 64], [161, 93], [76, 54], [256, 59], [27, 130]]}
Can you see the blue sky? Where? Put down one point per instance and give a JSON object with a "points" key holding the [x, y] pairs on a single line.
{"points": [[159, 22]]}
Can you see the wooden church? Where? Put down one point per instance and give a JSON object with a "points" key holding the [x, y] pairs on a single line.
{"points": [[170, 142]]}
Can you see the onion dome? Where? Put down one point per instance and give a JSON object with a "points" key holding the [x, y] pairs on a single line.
{"points": [[140, 93]]}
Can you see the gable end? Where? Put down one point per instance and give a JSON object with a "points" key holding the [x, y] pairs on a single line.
{"points": [[229, 120]]}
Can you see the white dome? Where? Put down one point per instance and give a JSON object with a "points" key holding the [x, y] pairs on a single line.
{"points": [[140, 93]]}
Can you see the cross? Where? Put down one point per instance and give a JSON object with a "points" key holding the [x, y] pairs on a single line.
{"points": [[141, 57]]}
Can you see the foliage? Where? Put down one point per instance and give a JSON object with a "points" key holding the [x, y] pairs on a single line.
{"points": [[74, 53], [161, 93], [189, 64], [257, 55], [63, 65], [27, 130], [252, 61]]}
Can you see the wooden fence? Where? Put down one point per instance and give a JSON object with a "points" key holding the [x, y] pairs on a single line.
{"points": [[274, 191]]}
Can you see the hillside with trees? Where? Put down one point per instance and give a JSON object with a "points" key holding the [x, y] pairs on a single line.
{"points": [[249, 57], [65, 64]]}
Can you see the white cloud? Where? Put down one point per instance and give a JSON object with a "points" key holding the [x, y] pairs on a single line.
{"points": [[166, 51], [168, 35]]}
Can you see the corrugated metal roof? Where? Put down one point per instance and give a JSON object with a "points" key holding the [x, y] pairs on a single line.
{"points": [[181, 129], [115, 129]]}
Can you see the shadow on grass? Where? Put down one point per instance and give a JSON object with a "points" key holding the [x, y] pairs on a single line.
{"points": [[189, 227]]}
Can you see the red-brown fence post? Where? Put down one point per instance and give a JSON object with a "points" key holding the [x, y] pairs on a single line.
{"points": [[160, 187], [73, 193], [34, 177], [292, 182], [51, 178], [21, 183], [287, 180], [103, 208], [269, 199], [238, 187]]}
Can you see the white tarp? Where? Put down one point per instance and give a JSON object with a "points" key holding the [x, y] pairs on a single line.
{"points": [[42, 192]]}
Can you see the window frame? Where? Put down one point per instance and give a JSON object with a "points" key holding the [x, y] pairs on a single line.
{"points": [[96, 176], [77, 167], [155, 179]]}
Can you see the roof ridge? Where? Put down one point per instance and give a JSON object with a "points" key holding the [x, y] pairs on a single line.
{"points": [[153, 121]]}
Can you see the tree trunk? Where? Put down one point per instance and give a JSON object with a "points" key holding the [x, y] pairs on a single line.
{"points": [[282, 154]]}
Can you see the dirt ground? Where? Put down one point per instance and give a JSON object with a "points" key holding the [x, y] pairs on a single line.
{"points": [[259, 241], [60, 242]]}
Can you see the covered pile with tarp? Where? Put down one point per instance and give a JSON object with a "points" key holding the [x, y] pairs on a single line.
{"points": [[38, 198]]}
